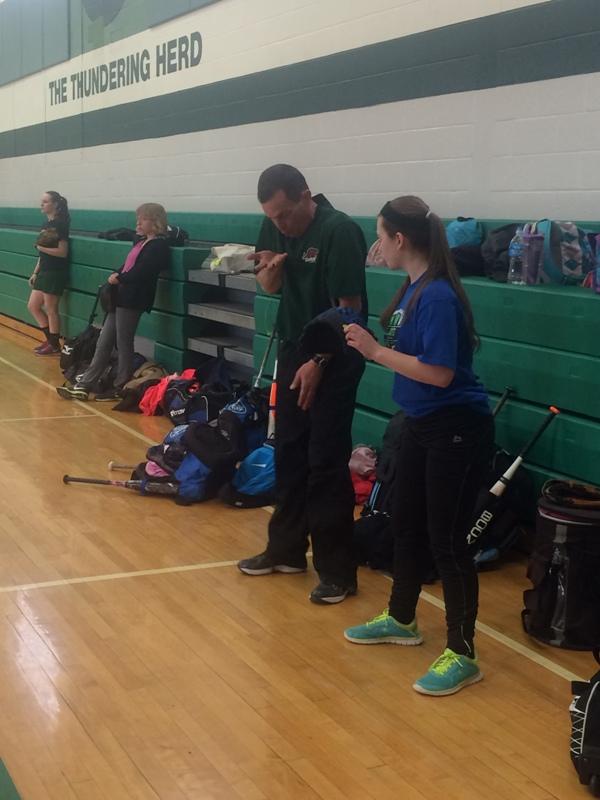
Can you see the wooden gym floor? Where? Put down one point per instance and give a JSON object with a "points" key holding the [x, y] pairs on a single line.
{"points": [[137, 663]]}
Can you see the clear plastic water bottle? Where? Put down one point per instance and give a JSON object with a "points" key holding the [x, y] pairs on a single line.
{"points": [[515, 259]]}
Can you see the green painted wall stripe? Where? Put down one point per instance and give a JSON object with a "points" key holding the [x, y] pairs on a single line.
{"points": [[530, 44], [207, 227], [7, 787]]}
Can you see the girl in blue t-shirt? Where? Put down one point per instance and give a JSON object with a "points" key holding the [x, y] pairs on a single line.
{"points": [[446, 440]]}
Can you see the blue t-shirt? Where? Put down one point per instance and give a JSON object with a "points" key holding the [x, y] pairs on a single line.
{"points": [[435, 332]]}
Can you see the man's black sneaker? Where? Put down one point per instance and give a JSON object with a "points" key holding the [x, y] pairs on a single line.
{"points": [[108, 396], [72, 392], [331, 593], [263, 564]]}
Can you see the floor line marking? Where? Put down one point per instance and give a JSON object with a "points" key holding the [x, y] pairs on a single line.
{"points": [[429, 598], [501, 638], [39, 419], [83, 405], [115, 576]]}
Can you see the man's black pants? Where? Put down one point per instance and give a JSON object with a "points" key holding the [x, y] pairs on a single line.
{"points": [[312, 448]]}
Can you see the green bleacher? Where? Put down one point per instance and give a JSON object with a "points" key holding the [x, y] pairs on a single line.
{"points": [[91, 262], [540, 340]]}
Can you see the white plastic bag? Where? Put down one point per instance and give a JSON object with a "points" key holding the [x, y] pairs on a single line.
{"points": [[232, 258]]}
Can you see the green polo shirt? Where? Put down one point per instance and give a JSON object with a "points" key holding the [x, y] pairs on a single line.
{"points": [[325, 263]]}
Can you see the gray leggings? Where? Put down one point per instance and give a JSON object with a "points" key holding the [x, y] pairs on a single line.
{"points": [[119, 329]]}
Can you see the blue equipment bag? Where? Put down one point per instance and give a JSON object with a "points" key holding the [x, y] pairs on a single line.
{"points": [[253, 484]]}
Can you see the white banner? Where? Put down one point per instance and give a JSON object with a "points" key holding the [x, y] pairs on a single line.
{"points": [[222, 41]]}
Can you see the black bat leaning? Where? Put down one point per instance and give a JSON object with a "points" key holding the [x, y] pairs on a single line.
{"points": [[498, 489]]}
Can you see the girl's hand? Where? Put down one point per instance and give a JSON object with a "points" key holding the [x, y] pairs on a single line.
{"points": [[114, 278], [31, 280], [361, 340]]}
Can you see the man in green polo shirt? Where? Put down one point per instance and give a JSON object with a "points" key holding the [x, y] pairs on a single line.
{"points": [[314, 256]]}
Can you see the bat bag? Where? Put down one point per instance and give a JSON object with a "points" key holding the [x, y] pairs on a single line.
{"points": [[563, 607], [585, 731]]}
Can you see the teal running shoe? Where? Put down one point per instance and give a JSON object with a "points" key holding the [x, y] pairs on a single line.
{"points": [[449, 674], [384, 629]]}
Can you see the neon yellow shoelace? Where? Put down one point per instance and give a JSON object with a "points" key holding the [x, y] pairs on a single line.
{"points": [[445, 662], [379, 618]]}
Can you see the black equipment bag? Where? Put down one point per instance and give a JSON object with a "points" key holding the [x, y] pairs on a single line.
{"points": [[373, 536], [176, 236], [563, 608], [516, 507], [108, 294], [78, 351], [187, 400], [468, 260], [118, 235], [585, 730], [495, 252]]}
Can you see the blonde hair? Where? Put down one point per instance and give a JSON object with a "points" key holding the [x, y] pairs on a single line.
{"points": [[156, 214]]}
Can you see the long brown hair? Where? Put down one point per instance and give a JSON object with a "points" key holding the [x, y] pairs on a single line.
{"points": [[413, 218], [61, 207]]}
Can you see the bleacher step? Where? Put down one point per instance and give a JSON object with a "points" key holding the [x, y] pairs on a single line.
{"points": [[234, 349], [246, 283], [230, 313]]}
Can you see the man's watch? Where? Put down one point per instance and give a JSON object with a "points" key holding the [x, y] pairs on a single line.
{"points": [[320, 360]]}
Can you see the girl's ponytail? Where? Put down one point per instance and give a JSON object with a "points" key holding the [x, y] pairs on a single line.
{"points": [[440, 254], [62, 207], [412, 217]]}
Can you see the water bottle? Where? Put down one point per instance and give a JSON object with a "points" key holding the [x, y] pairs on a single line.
{"points": [[515, 259]]}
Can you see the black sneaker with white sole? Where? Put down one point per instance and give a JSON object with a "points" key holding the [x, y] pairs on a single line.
{"points": [[331, 593], [110, 395], [72, 392], [264, 564]]}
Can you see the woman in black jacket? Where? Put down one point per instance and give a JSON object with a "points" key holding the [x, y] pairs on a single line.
{"points": [[135, 286]]}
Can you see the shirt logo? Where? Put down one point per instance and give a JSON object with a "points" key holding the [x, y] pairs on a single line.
{"points": [[310, 255], [395, 322]]}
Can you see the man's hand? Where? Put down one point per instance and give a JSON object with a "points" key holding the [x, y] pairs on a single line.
{"points": [[268, 269], [267, 259], [113, 278], [307, 380], [361, 340]]}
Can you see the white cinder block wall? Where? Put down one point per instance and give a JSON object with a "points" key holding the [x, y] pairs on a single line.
{"points": [[530, 149]]}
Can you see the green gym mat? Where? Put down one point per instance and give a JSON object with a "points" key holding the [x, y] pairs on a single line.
{"points": [[7, 787]]}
